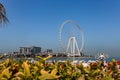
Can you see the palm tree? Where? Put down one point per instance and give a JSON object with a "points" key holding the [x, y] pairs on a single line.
{"points": [[3, 18]]}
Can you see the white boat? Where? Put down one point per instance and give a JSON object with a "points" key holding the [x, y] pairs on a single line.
{"points": [[101, 57]]}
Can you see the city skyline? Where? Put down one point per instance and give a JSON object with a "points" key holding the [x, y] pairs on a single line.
{"points": [[37, 23]]}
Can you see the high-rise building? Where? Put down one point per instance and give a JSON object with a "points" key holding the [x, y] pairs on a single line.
{"points": [[30, 50], [49, 51]]}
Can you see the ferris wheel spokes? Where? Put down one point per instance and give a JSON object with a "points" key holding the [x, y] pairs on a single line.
{"points": [[72, 42]]}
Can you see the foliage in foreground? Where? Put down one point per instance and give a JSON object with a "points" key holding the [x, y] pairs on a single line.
{"points": [[41, 70]]}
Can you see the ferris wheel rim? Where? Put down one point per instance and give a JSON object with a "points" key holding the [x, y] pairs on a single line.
{"points": [[77, 26]]}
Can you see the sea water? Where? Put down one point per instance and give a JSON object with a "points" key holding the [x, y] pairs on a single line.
{"points": [[71, 59], [81, 58]]}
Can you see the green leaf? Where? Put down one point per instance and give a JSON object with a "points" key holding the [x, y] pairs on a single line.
{"points": [[17, 78], [43, 72], [54, 71], [19, 74], [87, 69], [26, 69], [81, 77], [46, 77], [6, 73]]}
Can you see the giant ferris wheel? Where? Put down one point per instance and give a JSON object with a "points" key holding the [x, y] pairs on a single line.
{"points": [[72, 44]]}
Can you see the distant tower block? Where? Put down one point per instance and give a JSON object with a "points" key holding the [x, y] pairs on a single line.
{"points": [[72, 47]]}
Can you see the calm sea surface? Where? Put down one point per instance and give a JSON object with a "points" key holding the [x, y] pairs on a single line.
{"points": [[79, 58], [76, 58]]}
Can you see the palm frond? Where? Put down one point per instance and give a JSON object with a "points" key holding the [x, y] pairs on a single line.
{"points": [[3, 18]]}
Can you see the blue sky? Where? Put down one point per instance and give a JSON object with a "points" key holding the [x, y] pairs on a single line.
{"points": [[37, 22]]}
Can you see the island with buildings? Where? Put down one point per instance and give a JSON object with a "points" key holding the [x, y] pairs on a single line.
{"points": [[33, 51]]}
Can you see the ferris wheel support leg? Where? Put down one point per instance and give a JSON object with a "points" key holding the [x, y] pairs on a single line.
{"points": [[68, 45], [77, 47], [73, 41]]}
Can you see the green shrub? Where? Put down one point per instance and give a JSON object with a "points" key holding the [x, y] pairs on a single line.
{"points": [[41, 70]]}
